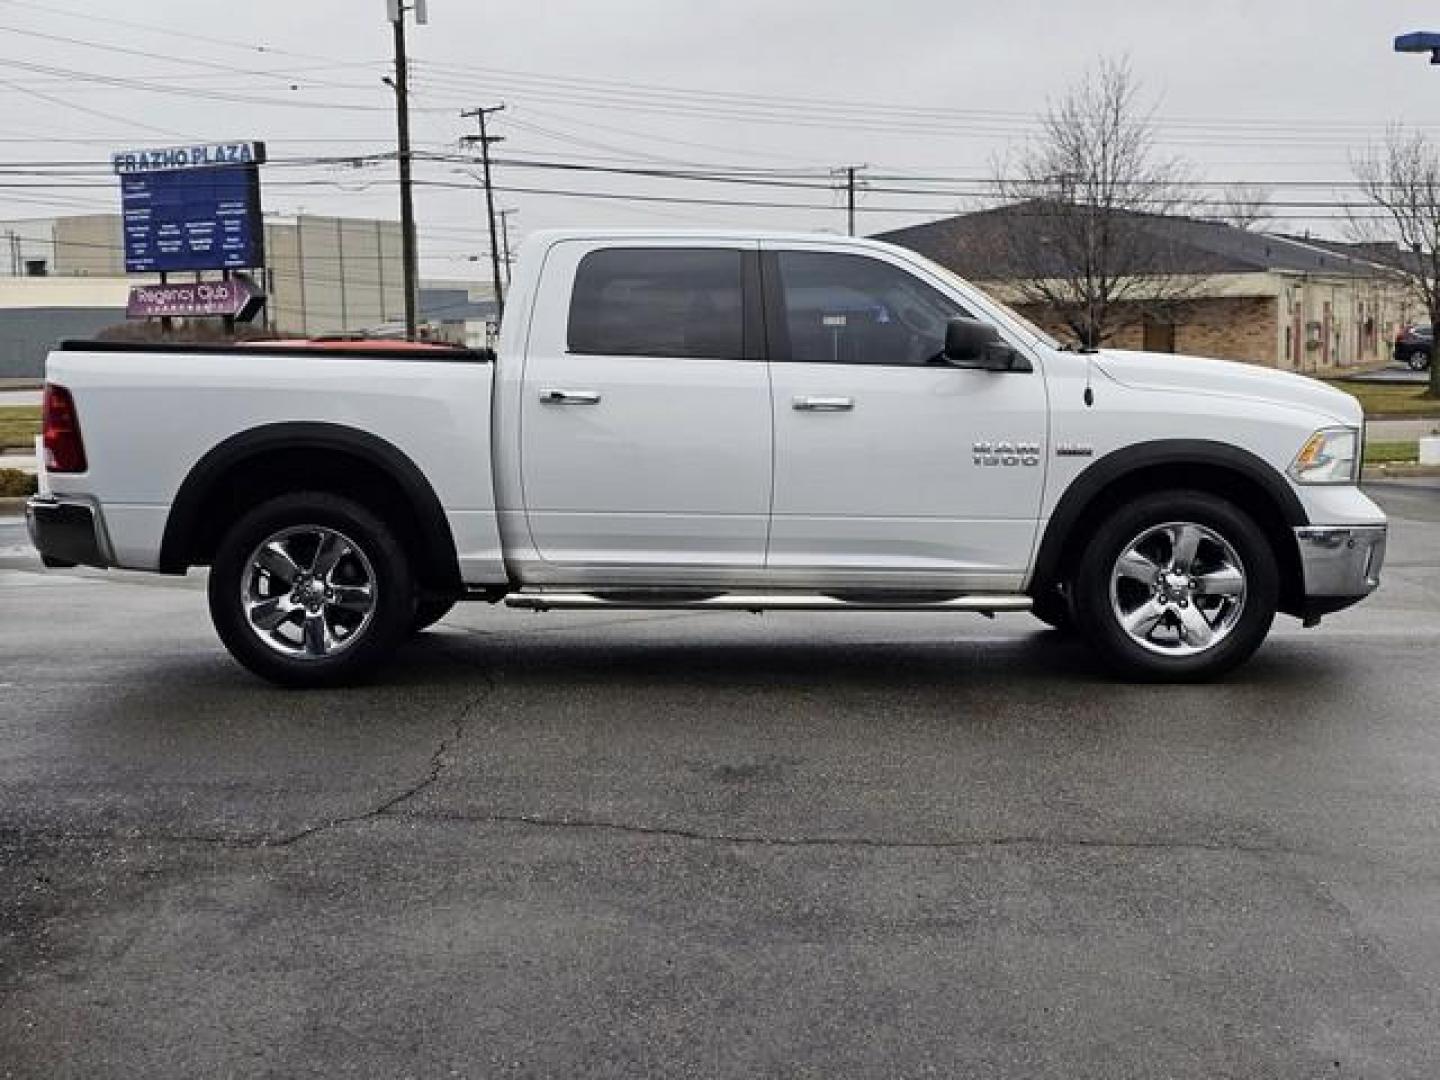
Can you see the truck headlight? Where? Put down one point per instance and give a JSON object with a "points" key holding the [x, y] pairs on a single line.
{"points": [[1330, 456]]}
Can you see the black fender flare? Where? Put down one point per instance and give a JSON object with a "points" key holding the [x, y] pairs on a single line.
{"points": [[184, 522], [1115, 466]]}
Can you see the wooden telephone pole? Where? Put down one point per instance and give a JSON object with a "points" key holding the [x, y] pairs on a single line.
{"points": [[484, 139], [400, 83]]}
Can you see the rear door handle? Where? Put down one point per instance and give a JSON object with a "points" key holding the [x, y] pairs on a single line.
{"points": [[824, 404], [569, 397]]}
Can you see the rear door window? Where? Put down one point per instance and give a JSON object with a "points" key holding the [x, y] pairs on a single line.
{"points": [[664, 302]]}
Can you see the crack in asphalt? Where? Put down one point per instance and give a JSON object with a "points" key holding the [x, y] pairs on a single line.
{"points": [[439, 760], [895, 843], [697, 835], [432, 774], [436, 767]]}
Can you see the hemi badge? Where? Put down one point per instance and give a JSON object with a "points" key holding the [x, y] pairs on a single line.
{"points": [[1070, 449]]}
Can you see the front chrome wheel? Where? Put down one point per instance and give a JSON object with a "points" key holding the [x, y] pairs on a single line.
{"points": [[308, 592], [1178, 589]]}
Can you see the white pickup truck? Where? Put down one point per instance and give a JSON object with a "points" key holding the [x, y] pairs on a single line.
{"points": [[715, 421]]}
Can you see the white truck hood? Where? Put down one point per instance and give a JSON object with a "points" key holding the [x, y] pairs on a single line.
{"points": [[1225, 378]]}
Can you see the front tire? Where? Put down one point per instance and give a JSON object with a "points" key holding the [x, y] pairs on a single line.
{"points": [[1419, 360], [1177, 587], [429, 611], [311, 589], [1052, 607]]}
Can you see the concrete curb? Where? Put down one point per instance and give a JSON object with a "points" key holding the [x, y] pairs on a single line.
{"points": [[1393, 471]]}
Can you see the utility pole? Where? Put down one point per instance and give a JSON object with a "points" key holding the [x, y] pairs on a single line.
{"points": [[850, 198], [400, 83], [505, 241], [485, 139], [848, 175]]}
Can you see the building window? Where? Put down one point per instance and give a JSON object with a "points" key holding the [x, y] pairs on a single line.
{"points": [[1158, 336]]}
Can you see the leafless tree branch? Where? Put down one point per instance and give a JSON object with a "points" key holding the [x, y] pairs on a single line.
{"points": [[1245, 206], [1081, 193], [1401, 179]]}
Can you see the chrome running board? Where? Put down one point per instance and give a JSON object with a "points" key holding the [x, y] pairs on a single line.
{"points": [[537, 600]]}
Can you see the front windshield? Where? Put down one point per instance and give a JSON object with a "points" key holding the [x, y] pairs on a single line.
{"points": [[965, 286]]}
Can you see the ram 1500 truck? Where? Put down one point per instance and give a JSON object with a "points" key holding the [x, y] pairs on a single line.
{"points": [[726, 421]]}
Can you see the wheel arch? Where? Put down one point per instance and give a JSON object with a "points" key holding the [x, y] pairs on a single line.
{"points": [[261, 463], [1229, 472]]}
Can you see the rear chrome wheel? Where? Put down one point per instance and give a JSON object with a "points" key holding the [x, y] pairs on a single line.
{"points": [[311, 589], [309, 592]]}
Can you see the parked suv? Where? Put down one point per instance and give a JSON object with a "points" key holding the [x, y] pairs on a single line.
{"points": [[1413, 346]]}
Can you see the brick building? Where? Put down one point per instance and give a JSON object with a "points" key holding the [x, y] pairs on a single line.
{"points": [[1282, 301]]}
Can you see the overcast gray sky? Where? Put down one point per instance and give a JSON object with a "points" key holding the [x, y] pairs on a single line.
{"points": [[1277, 91]]}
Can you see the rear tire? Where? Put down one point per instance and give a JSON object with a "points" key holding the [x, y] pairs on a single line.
{"points": [[311, 589], [1419, 360], [1176, 587]]}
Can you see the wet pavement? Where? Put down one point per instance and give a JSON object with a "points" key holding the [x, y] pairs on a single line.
{"points": [[717, 845]]}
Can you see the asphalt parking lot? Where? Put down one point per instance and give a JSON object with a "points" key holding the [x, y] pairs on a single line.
{"points": [[718, 845]]}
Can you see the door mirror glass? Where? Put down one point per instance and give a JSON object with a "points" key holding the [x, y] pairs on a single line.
{"points": [[971, 343]]}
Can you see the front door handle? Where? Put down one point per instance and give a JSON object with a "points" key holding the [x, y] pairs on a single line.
{"points": [[569, 397], [824, 404]]}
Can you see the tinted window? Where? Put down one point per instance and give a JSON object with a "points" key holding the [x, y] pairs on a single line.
{"points": [[849, 309], [658, 302]]}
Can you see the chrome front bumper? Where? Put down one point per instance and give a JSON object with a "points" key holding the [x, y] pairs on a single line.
{"points": [[66, 533], [1340, 563]]}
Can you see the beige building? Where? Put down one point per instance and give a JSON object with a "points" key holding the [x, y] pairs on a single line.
{"points": [[65, 277], [323, 274], [1286, 302]]}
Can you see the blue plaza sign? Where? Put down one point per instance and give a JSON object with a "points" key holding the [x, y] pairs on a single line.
{"points": [[192, 207]]}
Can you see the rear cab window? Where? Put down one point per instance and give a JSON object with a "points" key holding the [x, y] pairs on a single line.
{"points": [[660, 302]]}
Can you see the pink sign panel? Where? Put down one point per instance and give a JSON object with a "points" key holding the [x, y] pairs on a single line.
{"points": [[237, 298]]}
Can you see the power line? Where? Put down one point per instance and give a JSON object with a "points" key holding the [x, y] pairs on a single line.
{"points": [[90, 17], [62, 175], [92, 112], [122, 50], [595, 93], [194, 92]]}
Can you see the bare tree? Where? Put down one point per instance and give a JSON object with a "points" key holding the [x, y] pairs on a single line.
{"points": [[1400, 182], [1084, 234], [1246, 206]]}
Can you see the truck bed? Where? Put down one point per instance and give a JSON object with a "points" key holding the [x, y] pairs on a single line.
{"points": [[149, 413]]}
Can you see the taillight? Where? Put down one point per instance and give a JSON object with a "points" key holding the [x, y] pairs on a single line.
{"points": [[64, 449]]}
